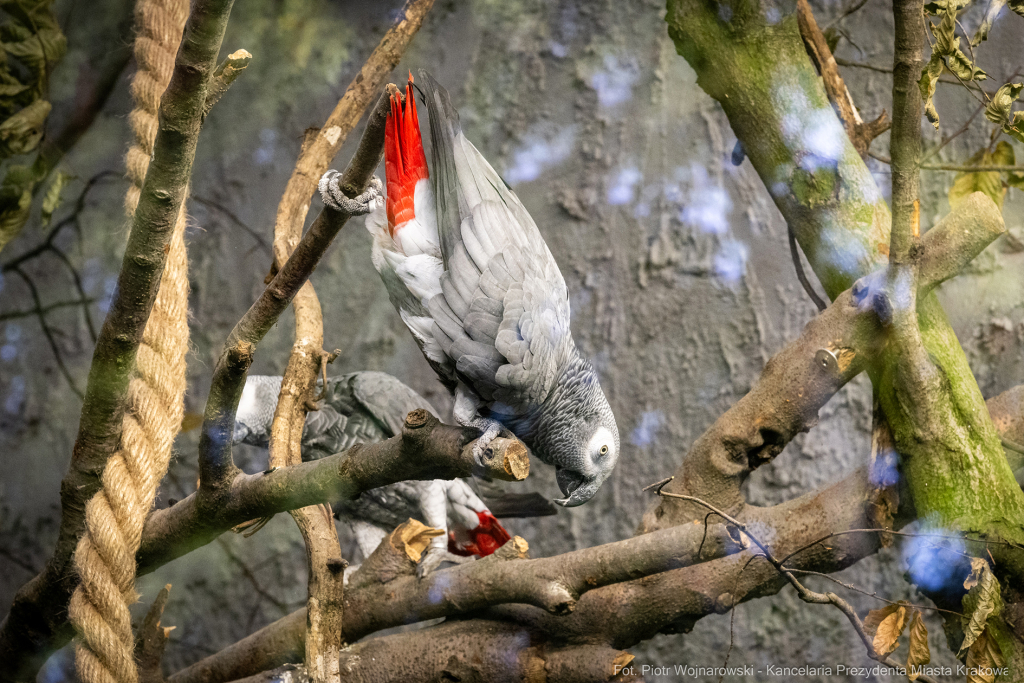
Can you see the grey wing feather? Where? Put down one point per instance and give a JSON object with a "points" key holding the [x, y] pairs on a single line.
{"points": [[503, 311]]}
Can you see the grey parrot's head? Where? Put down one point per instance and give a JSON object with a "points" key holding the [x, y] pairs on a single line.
{"points": [[584, 451], [255, 413]]}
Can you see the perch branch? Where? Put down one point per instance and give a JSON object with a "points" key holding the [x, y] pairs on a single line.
{"points": [[325, 586], [833, 348], [669, 601], [425, 450], [324, 606], [325, 145], [31, 624], [216, 468], [555, 584]]}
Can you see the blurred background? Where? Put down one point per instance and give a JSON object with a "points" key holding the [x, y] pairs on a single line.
{"points": [[677, 263]]}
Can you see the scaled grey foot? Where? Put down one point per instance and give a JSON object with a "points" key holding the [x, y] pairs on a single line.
{"points": [[435, 555], [334, 198], [489, 431]]}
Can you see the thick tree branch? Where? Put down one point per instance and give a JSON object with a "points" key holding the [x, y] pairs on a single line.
{"points": [[39, 606], [216, 468], [833, 348], [553, 584], [425, 450], [905, 140], [324, 606]]}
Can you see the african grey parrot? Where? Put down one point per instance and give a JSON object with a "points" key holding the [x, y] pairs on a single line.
{"points": [[366, 407], [473, 280]]}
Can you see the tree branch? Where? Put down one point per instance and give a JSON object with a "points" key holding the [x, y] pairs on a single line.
{"points": [[861, 134], [554, 584], [216, 468], [28, 628], [314, 161], [324, 606], [426, 449], [833, 348]]}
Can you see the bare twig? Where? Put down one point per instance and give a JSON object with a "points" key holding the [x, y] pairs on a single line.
{"points": [[802, 591], [216, 466], [233, 217], [888, 70], [794, 252], [48, 331], [324, 607], [225, 74], [152, 639], [860, 133], [250, 576], [968, 168]]}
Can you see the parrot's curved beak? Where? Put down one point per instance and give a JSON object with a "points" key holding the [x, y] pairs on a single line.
{"points": [[577, 488]]}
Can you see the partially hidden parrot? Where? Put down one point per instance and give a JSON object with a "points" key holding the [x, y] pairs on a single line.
{"points": [[475, 283], [366, 407]]}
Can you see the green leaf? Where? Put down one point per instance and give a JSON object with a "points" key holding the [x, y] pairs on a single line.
{"points": [[998, 110], [23, 131], [962, 67], [969, 182], [941, 6], [1003, 154], [51, 200], [1015, 128], [929, 77], [980, 603]]}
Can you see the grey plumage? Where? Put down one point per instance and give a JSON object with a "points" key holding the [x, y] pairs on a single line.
{"points": [[367, 407], [498, 331]]}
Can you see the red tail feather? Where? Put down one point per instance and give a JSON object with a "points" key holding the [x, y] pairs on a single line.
{"points": [[487, 537], [404, 161]]}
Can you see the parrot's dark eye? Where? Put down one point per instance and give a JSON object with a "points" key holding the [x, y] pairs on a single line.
{"points": [[604, 450]]}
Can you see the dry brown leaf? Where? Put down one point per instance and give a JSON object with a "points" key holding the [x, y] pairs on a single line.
{"points": [[979, 604], [983, 659], [875, 617], [885, 626], [620, 662], [919, 654], [978, 566], [415, 537]]}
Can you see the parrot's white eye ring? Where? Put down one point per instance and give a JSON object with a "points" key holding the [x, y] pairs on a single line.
{"points": [[604, 450]]}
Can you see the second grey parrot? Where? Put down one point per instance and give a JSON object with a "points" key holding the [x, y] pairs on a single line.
{"points": [[367, 407], [475, 283]]}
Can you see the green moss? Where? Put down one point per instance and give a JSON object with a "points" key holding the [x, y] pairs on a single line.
{"points": [[761, 76]]}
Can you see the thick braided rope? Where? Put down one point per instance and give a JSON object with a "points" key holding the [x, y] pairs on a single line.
{"points": [[105, 556]]}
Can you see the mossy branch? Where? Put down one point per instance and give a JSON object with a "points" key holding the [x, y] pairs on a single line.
{"points": [[27, 631]]}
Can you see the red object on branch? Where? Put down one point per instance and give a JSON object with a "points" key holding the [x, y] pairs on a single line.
{"points": [[487, 537]]}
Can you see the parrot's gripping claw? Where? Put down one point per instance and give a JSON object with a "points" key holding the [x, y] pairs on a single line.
{"points": [[334, 198], [489, 430]]}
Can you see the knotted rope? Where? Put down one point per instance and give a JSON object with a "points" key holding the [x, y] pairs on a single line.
{"points": [[105, 556]]}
